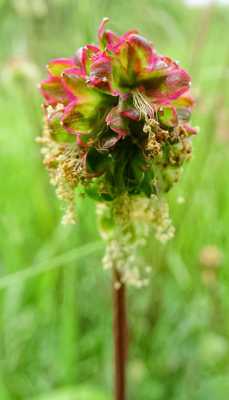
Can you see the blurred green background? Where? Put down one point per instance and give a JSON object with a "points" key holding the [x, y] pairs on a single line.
{"points": [[55, 299]]}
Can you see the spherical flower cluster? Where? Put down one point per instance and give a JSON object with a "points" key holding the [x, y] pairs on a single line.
{"points": [[127, 108]]}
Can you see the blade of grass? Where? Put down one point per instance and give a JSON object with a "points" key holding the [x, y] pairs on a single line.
{"points": [[63, 260]]}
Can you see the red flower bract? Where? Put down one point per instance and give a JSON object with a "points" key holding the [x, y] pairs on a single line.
{"points": [[96, 79]]}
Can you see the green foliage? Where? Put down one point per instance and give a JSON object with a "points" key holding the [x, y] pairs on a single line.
{"points": [[78, 393], [55, 306]]}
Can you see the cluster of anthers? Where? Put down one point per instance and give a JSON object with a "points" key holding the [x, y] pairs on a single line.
{"points": [[117, 126], [126, 227]]}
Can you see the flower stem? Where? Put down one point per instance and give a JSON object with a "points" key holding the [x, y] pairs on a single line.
{"points": [[120, 335]]}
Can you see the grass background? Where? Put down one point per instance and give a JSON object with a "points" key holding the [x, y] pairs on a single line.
{"points": [[55, 300]]}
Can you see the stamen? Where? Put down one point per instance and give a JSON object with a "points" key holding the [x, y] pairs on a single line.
{"points": [[64, 166], [143, 105]]}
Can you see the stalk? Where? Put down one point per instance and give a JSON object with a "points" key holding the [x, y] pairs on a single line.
{"points": [[120, 336]]}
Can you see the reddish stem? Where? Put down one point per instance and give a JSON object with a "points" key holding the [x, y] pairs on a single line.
{"points": [[120, 335]]}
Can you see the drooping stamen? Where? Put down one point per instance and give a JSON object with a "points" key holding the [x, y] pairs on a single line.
{"points": [[142, 104], [151, 125], [64, 165]]}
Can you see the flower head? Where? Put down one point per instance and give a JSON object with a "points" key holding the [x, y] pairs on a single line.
{"points": [[125, 110]]}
